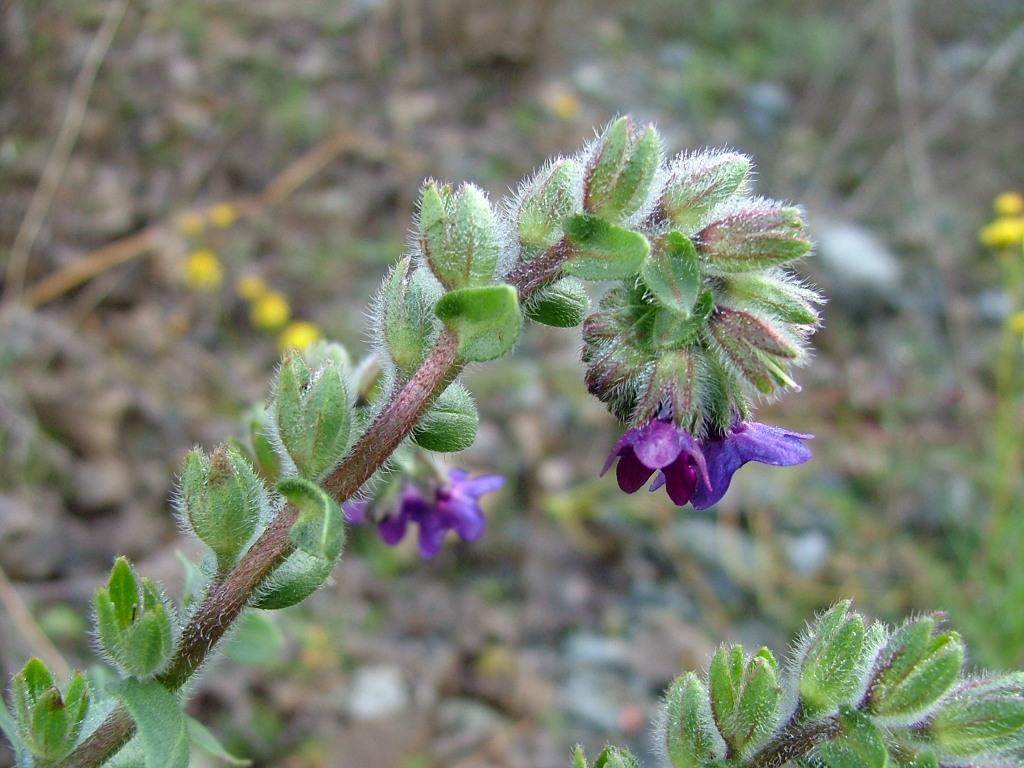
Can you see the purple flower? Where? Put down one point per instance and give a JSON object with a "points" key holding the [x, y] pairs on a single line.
{"points": [[747, 441], [659, 445], [683, 460], [455, 507]]}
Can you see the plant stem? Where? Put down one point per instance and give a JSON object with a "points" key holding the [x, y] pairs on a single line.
{"points": [[795, 741], [227, 599]]}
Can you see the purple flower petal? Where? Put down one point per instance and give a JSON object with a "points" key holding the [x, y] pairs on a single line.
{"points": [[680, 480], [629, 437], [432, 534], [478, 486], [413, 505], [392, 529], [631, 472], [658, 444], [771, 445], [355, 512], [465, 517]]}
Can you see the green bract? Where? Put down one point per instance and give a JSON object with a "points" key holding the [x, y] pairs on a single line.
{"points": [[47, 721], [485, 320], [134, 622], [458, 235], [450, 424]]}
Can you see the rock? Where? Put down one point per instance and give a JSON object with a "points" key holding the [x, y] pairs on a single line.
{"points": [[100, 484], [856, 263], [32, 543], [807, 553], [377, 692], [767, 104], [587, 648]]}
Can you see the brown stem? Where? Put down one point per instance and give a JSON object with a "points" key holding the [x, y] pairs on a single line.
{"points": [[226, 599], [794, 742]]}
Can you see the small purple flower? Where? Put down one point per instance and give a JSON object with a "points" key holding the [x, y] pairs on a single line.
{"points": [[455, 507], [747, 441], [683, 460], [659, 445]]}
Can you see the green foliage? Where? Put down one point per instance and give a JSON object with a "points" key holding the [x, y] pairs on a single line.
{"points": [[672, 273], [201, 737], [46, 722], [221, 498], [563, 304], [450, 424], [603, 251], [162, 726], [458, 235], [621, 171], [831, 660], [690, 737], [312, 414], [859, 744], [320, 529], [745, 694], [134, 622], [255, 641], [407, 321], [757, 235], [544, 205], [699, 182], [486, 320]]}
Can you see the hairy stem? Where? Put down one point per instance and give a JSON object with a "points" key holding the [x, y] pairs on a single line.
{"points": [[795, 741], [227, 598]]}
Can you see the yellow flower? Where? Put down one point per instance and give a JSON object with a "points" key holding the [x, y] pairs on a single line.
{"points": [[203, 271], [251, 287], [1009, 204], [1004, 232], [561, 101], [191, 223], [270, 311], [223, 215], [299, 335], [1016, 322]]}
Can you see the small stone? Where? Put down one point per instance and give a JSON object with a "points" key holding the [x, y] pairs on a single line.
{"points": [[856, 262], [808, 553], [377, 692]]}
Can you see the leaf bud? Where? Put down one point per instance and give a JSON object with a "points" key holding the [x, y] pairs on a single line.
{"points": [[757, 234], [563, 304], [48, 721], [620, 175], [458, 235], [544, 204], [221, 498], [981, 719], [698, 183], [745, 696], [407, 323], [915, 669], [312, 414], [832, 657], [691, 740], [134, 622]]}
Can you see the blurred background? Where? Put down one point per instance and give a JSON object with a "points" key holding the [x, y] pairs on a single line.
{"points": [[186, 187]]}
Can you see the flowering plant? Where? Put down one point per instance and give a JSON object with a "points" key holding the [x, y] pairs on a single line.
{"points": [[702, 318]]}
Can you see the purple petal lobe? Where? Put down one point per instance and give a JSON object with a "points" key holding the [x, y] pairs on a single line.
{"points": [[392, 529], [432, 534], [658, 444], [628, 438], [680, 480], [631, 473], [478, 486], [723, 459], [771, 445]]}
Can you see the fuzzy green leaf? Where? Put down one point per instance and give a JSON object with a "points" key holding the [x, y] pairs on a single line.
{"points": [[255, 640], [563, 304], [619, 177], [832, 662], [123, 592], [672, 273], [689, 732], [485, 319], [699, 182], [603, 251], [980, 718], [756, 236], [206, 741], [451, 423], [299, 577], [544, 205], [859, 744], [161, 723], [407, 323], [319, 530]]}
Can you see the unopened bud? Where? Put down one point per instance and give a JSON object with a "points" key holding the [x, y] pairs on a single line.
{"points": [[620, 175], [699, 182], [48, 721], [832, 660], [458, 234], [757, 235], [544, 205]]}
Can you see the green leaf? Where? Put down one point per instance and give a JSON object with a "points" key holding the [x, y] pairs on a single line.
{"points": [[579, 758], [981, 717], [614, 757], [161, 723], [451, 423], [757, 236], [833, 660], [786, 300], [699, 182], [458, 235], [689, 732], [319, 529], [563, 304], [859, 744], [603, 251], [206, 741], [148, 643], [10, 732], [123, 592], [486, 320], [672, 273], [299, 577], [544, 206], [621, 170], [255, 640], [407, 323]]}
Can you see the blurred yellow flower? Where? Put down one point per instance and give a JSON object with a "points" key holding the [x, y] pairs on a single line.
{"points": [[1016, 322], [203, 271], [299, 335], [251, 287], [1004, 232], [1009, 204], [223, 215], [191, 223], [561, 101], [270, 311]]}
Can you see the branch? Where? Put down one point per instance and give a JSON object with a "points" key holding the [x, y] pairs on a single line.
{"points": [[226, 600]]}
